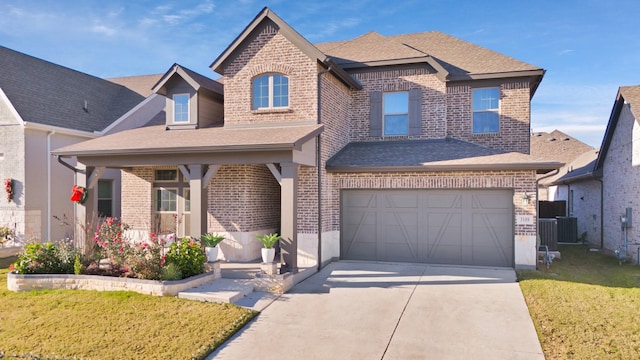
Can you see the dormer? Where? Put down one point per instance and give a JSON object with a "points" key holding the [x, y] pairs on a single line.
{"points": [[192, 100]]}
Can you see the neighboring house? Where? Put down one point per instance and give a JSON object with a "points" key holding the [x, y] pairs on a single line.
{"points": [[582, 193], [618, 166], [393, 148], [44, 106], [559, 147]]}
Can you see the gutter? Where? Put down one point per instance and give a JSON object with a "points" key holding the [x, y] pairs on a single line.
{"points": [[601, 212], [460, 167], [49, 135]]}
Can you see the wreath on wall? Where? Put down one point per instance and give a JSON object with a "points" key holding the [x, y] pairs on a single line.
{"points": [[8, 188], [79, 194]]}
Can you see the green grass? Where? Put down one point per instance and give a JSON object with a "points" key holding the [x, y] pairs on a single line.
{"points": [[586, 306], [111, 325]]}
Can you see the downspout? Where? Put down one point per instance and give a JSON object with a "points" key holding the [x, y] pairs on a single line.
{"points": [[49, 135], [319, 166]]}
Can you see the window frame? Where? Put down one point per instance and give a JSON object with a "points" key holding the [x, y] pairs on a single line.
{"points": [[385, 114], [100, 198], [187, 106], [488, 110], [181, 188], [271, 86]]}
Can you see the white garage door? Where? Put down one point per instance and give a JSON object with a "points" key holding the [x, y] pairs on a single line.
{"points": [[462, 227]]}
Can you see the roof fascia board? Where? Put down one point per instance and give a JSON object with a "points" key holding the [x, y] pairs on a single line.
{"points": [[566, 181], [179, 150], [176, 69], [611, 127], [291, 34], [342, 75], [12, 109], [124, 117], [462, 167], [508, 74], [59, 130]]}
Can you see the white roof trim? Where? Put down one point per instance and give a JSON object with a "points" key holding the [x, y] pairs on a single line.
{"points": [[58, 129], [12, 109], [126, 115]]}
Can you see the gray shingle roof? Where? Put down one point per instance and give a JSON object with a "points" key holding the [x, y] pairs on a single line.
{"points": [[581, 168], [50, 94], [141, 84], [431, 155], [457, 56], [557, 146]]}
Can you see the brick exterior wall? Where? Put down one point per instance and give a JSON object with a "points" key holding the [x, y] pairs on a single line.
{"points": [[269, 52], [137, 198], [243, 198], [514, 117], [433, 101], [621, 175], [586, 209]]}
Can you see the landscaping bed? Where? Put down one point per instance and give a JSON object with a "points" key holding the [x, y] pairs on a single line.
{"points": [[585, 306], [112, 325]]}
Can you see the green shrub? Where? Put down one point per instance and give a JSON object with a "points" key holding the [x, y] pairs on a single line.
{"points": [[78, 267], [111, 242], [211, 239], [269, 240], [188, 256], [44, 259], [146, 260], [171, 271]]}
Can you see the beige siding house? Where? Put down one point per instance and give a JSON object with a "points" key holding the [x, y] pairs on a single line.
{"points": [[44, 106], [387, 148]]}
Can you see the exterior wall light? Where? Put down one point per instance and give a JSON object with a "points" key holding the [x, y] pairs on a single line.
{"points": [[525, 199]]}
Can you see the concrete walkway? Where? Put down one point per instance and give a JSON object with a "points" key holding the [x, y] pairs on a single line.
{"points": [[364, 310]]}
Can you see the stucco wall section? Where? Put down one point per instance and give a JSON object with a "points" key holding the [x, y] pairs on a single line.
{"points": [[269, 52], [12, 165], [622, 183]]}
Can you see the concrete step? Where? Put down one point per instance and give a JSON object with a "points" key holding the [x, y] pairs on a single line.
{"points": [[220, 290]]}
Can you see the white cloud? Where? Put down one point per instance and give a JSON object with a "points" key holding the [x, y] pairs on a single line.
{"points": [[172, 19], [105, 30]]}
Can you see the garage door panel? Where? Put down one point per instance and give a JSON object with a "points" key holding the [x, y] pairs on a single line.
{"points": [[470, 227]]}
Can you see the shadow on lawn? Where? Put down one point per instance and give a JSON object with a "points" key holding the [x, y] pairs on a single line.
{"points": [[579, 264]]}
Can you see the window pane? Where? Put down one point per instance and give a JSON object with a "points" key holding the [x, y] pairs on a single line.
{"points": [[280, 91], [105, 208], [396, 103], [261, 92], [396, 125], [484, 99], [180, 108], [104, 189], [165, 200], [485, 122], [187, 200], [166, 175]]}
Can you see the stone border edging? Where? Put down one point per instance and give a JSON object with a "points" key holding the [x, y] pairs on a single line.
{"points": [[17, 282]]}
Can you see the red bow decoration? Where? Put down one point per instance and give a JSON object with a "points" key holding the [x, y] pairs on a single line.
{"points": [[78, 194]]}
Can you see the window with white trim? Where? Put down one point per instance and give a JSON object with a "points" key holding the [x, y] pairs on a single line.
{"points": [[105, 198], [180, 108], [396, 113], [270, 91], [486, 110]]}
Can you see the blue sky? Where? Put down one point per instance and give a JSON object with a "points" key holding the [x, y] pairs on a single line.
{"points": [[589, 48]]}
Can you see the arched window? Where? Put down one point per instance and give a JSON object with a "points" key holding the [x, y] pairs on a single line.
{"points": [[270, 91]]}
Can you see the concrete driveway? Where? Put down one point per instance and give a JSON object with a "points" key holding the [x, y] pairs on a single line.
{"points": [[364, 310]]}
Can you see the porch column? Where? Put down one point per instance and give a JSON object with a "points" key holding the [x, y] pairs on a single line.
{"points": [[199, 201], [289, 216], [85, 214]]}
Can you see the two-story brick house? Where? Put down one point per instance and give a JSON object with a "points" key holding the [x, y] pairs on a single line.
{"points": [[396, 148]]}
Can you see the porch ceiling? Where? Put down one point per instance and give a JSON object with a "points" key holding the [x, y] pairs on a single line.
{"points": [[142, 146]]}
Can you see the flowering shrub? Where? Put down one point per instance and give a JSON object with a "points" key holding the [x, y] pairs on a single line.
{"points": [[43, 259], [146, 260], [111, 242], [188, 255]]}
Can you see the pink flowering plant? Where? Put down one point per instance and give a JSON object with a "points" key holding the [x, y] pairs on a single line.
{"points": [[111, 242], [147, 259]]}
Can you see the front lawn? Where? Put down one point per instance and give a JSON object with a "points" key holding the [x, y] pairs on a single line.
{"points": [[586, 306], [111, 325]]}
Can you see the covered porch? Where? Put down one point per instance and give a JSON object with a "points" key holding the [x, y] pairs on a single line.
{"points": [[208, 163]]}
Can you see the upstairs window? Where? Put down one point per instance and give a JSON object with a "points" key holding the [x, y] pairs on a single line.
{"points": [[270, 91], [180, 108], [486, 110], [396, 113]]}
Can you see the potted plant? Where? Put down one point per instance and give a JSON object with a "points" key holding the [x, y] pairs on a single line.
{"points": [[268, 241], [210, 240]]}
